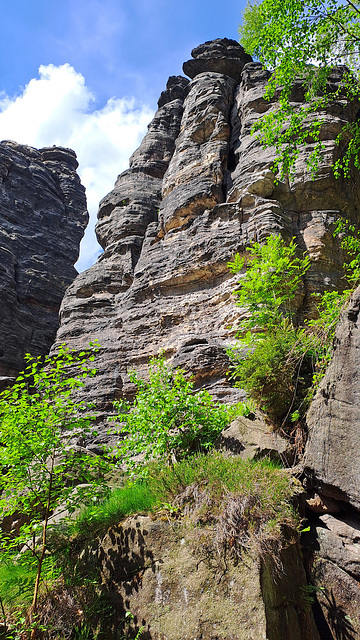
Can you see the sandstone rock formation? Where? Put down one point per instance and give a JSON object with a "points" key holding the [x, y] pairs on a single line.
{"points": [[333, 452], [175, 590], [251, 438], [42, 220], [332, 468], [199, 189]]}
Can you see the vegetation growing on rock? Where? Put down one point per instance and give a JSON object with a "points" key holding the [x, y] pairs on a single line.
{"points": [[42, 468], [278, 362], [300, 43], [168, 419]]}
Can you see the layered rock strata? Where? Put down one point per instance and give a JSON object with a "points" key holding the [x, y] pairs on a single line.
{"points": [[42, 220], [199, 189]]}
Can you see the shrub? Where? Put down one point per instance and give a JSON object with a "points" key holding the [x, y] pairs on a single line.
{"points": [[270, 283], [278, 363], [275, 371], [168, 420], [39, 416]]}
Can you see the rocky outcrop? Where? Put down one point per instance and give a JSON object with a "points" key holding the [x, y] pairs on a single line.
{"points": [[161, 572], [198, 190], [332, 552], [42, 220], [251, 439], [332, 459], [332, 468]]}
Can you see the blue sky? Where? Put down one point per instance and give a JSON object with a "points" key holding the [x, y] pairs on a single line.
{"points": [[88, 73]]}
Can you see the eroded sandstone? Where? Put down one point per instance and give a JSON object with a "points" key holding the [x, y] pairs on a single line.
{"points": [[162, 572], [199, 189], [332, 459], [42, 220]]}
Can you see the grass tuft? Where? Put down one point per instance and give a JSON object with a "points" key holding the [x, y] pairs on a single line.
{"points": [[134, 497], [255, 499]]}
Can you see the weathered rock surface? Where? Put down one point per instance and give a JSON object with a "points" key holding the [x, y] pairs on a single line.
{"points": [[334, 571], [339, 542], [198, 190], [221, 56], [42, 220], [332, 459], [254, 439], [159, 571], [332, 468], [337, 602]]}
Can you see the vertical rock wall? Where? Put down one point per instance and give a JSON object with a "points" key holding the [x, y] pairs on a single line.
{"points": [[198, 190], [42, 220]]}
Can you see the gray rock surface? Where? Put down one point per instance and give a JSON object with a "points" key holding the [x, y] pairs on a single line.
{"points": [[198, 190], [160, 572], [338, 540], [332, 460], [254, 439], [221, 56], [42, 220], [337, 601]]}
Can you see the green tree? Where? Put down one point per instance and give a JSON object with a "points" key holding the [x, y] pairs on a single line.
{"points": [[168, 418], [39, 420], [303, 41]]}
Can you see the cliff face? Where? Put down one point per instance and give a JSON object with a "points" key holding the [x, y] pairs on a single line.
{"points": [[199, 189], [42, 220]]}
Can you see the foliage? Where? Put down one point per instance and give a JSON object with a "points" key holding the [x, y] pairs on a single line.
{"points": [[133, 497], [39, 416], [350, 243], [280, 364], [270, 283], [266, 361], [272, 370], [168, 419], [302, 41]]}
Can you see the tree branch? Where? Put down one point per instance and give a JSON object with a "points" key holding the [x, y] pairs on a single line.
{"points": [[346, 31], [353, 6]]}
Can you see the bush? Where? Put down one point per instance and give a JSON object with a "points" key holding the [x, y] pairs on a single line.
{"points": [[168, 420], [278, 363], [275, 371], [39, 416], [270, 283]]}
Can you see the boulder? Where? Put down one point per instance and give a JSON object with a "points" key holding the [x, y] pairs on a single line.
{"points": [[161, 572], [254, 439]]}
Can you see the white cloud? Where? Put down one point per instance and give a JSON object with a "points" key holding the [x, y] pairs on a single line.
{"points": [[58, 108]]}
